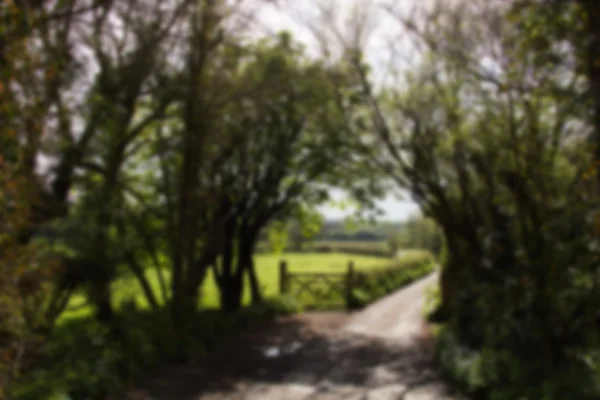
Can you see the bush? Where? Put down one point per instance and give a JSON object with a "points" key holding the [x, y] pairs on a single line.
{"points": [[374, 249], [370, 286], [80, 361], [500, 375], [359, 298], [83, 361], [282, 305], [433, 301]]}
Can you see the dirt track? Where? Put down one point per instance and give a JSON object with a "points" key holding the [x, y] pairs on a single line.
{"points": [[380, 353]]}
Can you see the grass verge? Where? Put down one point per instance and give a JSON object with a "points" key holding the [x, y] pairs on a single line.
{"points": [[81, 360], [267, 267]]}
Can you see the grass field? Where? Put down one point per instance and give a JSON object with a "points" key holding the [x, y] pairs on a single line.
{"points": [[267, 266]]}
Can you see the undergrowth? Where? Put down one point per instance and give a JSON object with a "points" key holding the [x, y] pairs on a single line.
{"points": [[492, 374], [82, 360], [369, 287]]}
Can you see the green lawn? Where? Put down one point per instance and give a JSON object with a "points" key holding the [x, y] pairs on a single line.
{"points": [[267, 266]]}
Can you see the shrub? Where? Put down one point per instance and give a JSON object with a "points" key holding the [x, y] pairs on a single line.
{"points": [[500, 375], [433, 301], [80, 361], [359, 298], [280, 305], [83, 361], [370, 286], [374, 249]]}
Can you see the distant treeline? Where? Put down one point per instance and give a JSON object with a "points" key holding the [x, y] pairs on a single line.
{"points": [[383, 239], [365, 247], [338, 230], [361, 236]]}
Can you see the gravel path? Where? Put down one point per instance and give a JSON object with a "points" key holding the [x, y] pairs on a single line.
{"points": [[380, 353], [398, 316]]}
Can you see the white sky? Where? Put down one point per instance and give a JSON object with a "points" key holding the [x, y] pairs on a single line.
{"points": [[384, 39], [395, 209]]}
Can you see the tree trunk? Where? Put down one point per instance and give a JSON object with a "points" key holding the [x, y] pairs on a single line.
{"points": [[186, 296], [231, 279], [178, 304], [447, 279], [196, 278], [138, 272], [100, 280], [255, 291], [247, 263], [247, 244], [100, 296], [231, 294]]}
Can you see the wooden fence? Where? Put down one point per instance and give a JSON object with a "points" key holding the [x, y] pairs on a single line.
{"points": [[320, 286], [339, 289]]}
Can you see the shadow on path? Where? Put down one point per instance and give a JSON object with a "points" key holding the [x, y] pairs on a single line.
{"points": [[302, 357]]}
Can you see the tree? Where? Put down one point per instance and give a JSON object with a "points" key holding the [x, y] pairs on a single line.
{"points": [[285, 143], [492, 145], [305, 224], [29, 299], [395, 243], [417, 233]]}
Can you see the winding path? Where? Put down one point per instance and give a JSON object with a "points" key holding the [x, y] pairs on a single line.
{"points": [[380, 353], [398, 316]]}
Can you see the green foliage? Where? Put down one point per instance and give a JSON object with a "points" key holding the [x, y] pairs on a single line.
{"points": [[173, 164], [337, 230], [417, 263], [304, 225], [500, 375], [278, 237], [370, 286], [443, 256], [362, 297], [370, 248], [417, 233], [127, 286], [282, 305], [491, 133], [82, 360], [394, 243], [541, 24], [433, 301]]}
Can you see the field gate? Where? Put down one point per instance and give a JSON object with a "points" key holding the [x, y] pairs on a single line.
{"points": [[321, 287]]}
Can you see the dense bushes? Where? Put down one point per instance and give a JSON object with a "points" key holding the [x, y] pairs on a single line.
{"points": [[280, 305], [494, 145], [237, 161], [500, 375], [83, 361], [364, 248], [370, 286], [330, 292]]}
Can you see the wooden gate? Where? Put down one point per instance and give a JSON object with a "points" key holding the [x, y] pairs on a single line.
{"points": [[322, 288]]}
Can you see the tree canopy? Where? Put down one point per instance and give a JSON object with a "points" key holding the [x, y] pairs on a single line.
{"points": [[142, 136]]}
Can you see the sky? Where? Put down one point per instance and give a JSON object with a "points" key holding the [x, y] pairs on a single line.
{"points": [[382, 40], [394, 209]]}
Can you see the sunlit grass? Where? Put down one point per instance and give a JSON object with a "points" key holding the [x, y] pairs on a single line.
{"points": [[267, 267]]}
